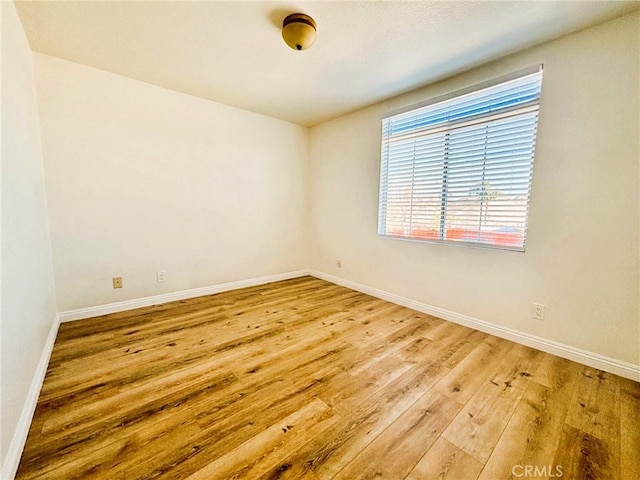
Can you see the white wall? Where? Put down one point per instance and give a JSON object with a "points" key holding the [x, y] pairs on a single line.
{"points": [[141, 179], [28, 296], [582, 247]]}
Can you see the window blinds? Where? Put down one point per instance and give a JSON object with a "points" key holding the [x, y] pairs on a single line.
{"points": [[460, 170]]}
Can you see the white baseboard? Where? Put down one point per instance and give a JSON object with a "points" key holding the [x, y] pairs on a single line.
{"points": [[12, 460], [106, 309], [608, 364]]}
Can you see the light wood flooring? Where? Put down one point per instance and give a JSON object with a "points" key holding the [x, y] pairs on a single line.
{"points": [[306, 379]]}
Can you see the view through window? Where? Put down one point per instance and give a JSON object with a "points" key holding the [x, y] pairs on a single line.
{"points": [[459, 170]]}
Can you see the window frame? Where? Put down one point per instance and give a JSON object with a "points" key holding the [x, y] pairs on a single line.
{"points": [[481, 119]]}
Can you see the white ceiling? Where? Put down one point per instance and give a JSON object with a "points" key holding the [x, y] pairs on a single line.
{"points": [[232, 52]]}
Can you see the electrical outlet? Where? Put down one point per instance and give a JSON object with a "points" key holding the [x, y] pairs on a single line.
{"points": [[537, 311], [161, 276], [117, 282], [339, 263]]}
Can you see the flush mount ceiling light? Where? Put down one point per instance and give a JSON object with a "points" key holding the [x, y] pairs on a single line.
{"points": [[299, 31]]}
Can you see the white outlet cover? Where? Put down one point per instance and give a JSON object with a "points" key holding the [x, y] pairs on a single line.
{"points": [[537, 311]]}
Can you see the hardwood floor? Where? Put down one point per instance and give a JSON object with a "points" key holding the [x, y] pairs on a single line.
{"points": [[306, 379]]}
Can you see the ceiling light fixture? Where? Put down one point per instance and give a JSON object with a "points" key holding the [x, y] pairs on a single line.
{"points": [[299, 31]]}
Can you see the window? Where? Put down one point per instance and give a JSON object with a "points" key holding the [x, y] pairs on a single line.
{"points": [[459, 170]]}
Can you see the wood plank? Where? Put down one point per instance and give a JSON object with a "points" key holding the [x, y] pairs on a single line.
{"points": [[397, 450], [595, 405], [237, 424], [533, 432], [447, 330], [629, 429], [60, 440], [478, 427], [367, 417], [104, 460], [472, 372], [262, 452], [446, 461], [209, 387], [595, 409], [392, 343], [581, 455]]}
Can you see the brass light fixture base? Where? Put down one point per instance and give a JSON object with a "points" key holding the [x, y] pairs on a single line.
{"points": [[299, 31]]}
